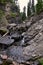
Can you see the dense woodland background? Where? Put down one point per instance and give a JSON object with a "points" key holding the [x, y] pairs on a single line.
{"points": [[14, 9]]}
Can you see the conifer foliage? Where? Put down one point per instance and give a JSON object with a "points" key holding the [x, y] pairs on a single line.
{"points": [[34, 9], [39, 6]]}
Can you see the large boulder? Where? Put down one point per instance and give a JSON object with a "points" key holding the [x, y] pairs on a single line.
{"points": [[6, 41]]}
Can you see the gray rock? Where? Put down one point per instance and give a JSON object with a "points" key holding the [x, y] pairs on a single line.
{"points": [[1, 62], [16, 36], [6, 41], [17, 53]]}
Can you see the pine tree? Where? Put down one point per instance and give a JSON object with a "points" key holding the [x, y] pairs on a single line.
{"points": [[33, 8], [39, 6], [28, 10], [24, 13]]}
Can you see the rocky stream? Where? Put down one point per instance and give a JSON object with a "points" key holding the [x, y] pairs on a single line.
{"points": [[23, 45]]}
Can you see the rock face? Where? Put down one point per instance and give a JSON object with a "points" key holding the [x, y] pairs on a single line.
{"points": [[28, 43]]}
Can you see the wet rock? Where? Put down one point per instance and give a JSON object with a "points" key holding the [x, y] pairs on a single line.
{"points": [[24, 42], [6, 41], [28, 37], [16, 36], [19, 42]]}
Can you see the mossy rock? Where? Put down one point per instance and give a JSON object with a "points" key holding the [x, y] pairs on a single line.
{"points": [[3, 31]]}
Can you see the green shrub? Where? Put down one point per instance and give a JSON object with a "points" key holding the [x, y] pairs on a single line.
{"points": [[4, 1], [1, 13], [39, 6], [13, 14], [41, 61]]}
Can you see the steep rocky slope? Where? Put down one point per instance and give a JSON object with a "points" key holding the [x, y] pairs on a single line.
{"points": [[9, 13], [27, 47]]}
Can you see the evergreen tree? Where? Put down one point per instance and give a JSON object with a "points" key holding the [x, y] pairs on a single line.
{"points": [[28, 10], [33, 8], [24, 13], [39, 6]]}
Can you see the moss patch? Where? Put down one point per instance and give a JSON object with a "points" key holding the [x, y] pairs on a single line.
{"points": [[41, 61], [1, 13], [13, 14]]}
